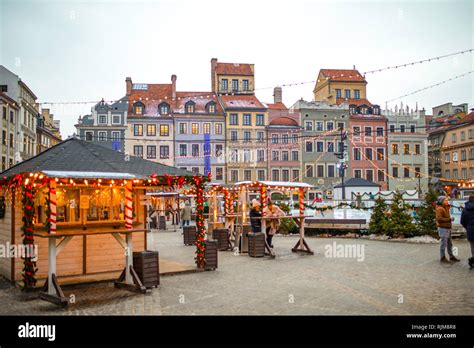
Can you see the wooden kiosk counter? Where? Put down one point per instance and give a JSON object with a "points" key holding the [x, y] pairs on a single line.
{"points": [[78, 205]]}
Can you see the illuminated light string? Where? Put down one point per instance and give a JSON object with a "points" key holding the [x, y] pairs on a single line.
{"points": [[207, 95], [429, 87]]}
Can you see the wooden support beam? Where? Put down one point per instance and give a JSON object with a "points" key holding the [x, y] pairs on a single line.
{"points": [[62, 244], [120, 240]]}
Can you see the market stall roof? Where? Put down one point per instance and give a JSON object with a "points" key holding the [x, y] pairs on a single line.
{"points": [[75, 158], [276, 183], [357, 182]]}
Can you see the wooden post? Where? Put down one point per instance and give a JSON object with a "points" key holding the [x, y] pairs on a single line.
{"points": [[263, 205], [129, 259], [301, 245], [52, 265], [128, 205]]}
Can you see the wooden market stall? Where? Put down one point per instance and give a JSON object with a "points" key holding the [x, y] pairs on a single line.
{"points": [[264, 189], [79, 203]]}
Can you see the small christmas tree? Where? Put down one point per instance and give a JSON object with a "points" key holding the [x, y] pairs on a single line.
{"points": [[401, 221], [378, 219], [426, 216]]}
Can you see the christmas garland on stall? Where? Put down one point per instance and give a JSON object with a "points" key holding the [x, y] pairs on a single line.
{"points": [[29, 269]]}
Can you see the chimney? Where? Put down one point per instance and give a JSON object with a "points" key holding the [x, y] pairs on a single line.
{"points": [[213, 74], [128, 85], [277, 95], [173, 86]]}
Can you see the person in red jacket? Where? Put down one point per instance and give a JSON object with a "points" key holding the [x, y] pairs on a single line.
{"points": [[444, 221]]}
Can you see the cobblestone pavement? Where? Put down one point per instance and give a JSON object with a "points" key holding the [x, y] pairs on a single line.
{"points": [[394, 278]]}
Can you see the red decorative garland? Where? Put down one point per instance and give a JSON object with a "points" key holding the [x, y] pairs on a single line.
{"points": [[29, 269]]}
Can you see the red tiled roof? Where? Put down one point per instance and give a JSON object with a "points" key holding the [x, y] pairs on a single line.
{"points": [[352, 101], [468, 118], [151, 98], [234, 69], [201, 99], [283, 121], [277, 106], [342, 74], [242, 101]]}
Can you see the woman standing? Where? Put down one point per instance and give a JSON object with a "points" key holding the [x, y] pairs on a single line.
{"points": [[444, 222], [274, 213]]}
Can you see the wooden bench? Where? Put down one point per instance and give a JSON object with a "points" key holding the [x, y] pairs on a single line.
{"points": [[338, 224]]}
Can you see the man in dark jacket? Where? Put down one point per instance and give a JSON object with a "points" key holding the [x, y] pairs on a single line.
{"points": [[255, 217], [444, 222], [467, 220]]}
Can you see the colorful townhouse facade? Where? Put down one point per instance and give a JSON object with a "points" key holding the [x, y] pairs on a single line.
{"points": [[284, 139], [150, 125], [246, 120], [9, 111], [47, 131]]}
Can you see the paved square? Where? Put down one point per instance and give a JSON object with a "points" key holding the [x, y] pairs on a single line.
{"points": [[394, 279]]}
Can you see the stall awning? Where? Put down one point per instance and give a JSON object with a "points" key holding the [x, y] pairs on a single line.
{"points": [[90, 175], [276, 183]]}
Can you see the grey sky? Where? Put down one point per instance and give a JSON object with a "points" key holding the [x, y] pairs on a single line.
{"points": [[83, 50]]}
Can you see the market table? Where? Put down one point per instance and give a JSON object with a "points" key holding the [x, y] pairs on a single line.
{"points": [[128, 280]]}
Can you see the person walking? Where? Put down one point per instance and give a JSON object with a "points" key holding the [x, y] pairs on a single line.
{"points": [[256, 217], [186, 214], [444, 221], [274, 213], [467, 221]]}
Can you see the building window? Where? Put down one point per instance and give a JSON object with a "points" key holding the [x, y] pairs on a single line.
{"points": [[447, 174], [4, 88], [340, 125], [309, 125], [219, 173], [347, 93], [195, 150], [195, 170], [380, 175], [89, 136], [319, 126], [261, 175], [247, 136], [218, 128], [247, 175], [206, 128], [331, 172], [247, 119], [309, 171], [224, 85], [12, 118], [453, 137], [395, 172], [275, 155], [368, 131], [284, 139], [294, 138], [219, 150], [260, 155], [274, 138], [417, 172], [139, 108], [234, 175], [329, 125], [115, 136], [151, 129], [211, 108], [417, 149], [356, 131], [471, 154], [275, 175], [464, 173], [357, 154], [368, 153], [164, 109], [151, 151], [235, 85], [463, 155], [260, 120], [406, 149], [394, 149], [138, 130], [195, 128], [309, 146], [380, 154], [320, 170], [190, 107], [320, 146], [338, 93], [447, 157], [295, 173], [183, 128], [330, 146], [102, 119], [285, 156], [260, 136], [295, 156], [285, 175], [245, 85], [406, 172], [164, 130], [234, 119], [164, 151], [233, 136], [183, 150], [392, 128], [369, 175], [357, 94], [412, 128], [102, 136], [4, 137], [380, 131], [116, 119], [358, 173]]}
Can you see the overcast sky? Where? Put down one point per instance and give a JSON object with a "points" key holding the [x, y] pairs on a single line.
{"points": [[83, 50]]}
